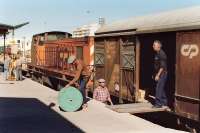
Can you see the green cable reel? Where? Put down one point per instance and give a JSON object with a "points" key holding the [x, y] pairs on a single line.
{"points": [[70, 99]]}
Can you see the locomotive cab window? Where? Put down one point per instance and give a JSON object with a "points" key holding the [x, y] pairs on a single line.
{"points": [[79, 53]]}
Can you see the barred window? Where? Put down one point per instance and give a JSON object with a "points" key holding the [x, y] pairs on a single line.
{"points": [[128, 57], [99, 59], [99, 54]]}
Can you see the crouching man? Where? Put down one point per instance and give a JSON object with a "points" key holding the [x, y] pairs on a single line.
{"points": [[101, 93], [82, 74]]}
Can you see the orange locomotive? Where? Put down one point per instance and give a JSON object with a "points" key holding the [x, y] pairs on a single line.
{"points": [[50, 50]]}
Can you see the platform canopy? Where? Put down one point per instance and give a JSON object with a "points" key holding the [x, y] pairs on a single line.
{"points": [[4, 28]]}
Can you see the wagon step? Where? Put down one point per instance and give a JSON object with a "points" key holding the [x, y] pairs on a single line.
{"points": [[136, 108]]}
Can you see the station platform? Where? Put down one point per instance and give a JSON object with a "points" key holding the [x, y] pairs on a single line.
{"points": [[25, 108]]}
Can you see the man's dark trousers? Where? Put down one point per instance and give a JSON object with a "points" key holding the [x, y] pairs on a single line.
{"points": [[161, 99], [83, 82]]}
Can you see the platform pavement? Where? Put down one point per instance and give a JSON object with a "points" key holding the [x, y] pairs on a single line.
{"points": [[24, 108]]}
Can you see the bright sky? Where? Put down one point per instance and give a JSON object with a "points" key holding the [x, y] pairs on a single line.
{"points": [[66, 15]]}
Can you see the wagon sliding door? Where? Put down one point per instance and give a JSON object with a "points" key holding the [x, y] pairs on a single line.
{"points": [[112, 59], [99, 60], [127, 68], [187, 94]]}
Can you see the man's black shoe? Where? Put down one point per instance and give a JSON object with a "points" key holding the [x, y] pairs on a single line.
{"points": [[157, 106]]}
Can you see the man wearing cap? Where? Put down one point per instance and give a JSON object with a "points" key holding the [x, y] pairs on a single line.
{"points": [[101, 93], [82, 74]]}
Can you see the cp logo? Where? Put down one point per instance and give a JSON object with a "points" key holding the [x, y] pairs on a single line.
{"points": [[189, 50]]}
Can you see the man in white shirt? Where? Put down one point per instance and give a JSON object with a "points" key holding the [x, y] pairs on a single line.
{"points": [[6, 66], [19, 68]]}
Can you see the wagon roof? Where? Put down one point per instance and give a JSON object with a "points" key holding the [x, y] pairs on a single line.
{"points": [[179, 19]]}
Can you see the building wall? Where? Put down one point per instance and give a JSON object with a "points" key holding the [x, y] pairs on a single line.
{"points": [[85, 30], [17, 44]]}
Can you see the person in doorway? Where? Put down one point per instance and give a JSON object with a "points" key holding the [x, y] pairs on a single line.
{"points": [[7, 62], [116, 86], [12, 69], [82, 75], [19, 68], [160, 74], [101, 93]]}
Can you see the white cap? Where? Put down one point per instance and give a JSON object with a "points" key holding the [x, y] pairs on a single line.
{"points": [[101, 80], [71, 59]]}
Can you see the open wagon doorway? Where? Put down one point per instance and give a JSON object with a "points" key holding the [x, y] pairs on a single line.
{"points": [[147, 83]]}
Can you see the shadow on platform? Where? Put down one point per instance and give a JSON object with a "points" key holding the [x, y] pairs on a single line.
{"points": [[29, 115]]}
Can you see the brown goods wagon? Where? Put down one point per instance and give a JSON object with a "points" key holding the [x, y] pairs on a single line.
{"points": [[187, 93], [129, 60], [180, 36]]}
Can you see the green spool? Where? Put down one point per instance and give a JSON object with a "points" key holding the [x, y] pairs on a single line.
{"points": [[70, 99]]}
